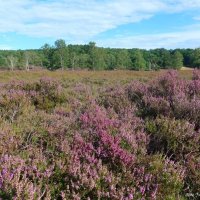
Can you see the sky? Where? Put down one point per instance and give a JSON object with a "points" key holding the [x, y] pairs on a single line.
{"points": [[146, 24]]}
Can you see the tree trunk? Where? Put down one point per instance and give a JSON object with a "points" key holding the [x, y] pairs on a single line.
{"points": [[61, 62]]}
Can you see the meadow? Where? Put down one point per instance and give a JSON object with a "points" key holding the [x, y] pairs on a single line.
{"points": [[100, 135], [79, 76]]}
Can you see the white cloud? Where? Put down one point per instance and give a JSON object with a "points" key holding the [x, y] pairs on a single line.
{"points": [[183, 39], [80, 20], [72, 18]]}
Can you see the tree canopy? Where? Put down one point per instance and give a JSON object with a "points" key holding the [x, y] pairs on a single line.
{"points": [[92, 57]]}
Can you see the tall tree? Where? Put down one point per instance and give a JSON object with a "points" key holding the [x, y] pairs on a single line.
{"points": [[167, 59], [61, 52], [93, 54], [138, 60], [151, 61], [196, 58], [47, 51], [177, 60], [110, 61], [123, 60], [73, 59], [12, 61], [27, 58], [82, 60]]}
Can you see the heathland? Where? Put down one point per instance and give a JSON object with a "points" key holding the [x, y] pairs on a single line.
{"points": [[100, 135]]}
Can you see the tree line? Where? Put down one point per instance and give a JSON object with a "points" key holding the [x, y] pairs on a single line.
{"points": [[89, 56]]}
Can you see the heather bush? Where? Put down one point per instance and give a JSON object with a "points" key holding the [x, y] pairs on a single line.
{"points": [[45, 94], [167, 85], [9, 140], [127, 132], [167, 175], [136, 91], [169, 96], [175, 138], [48, 94], [196, 74], [13, 103], [178, 140], [116, 98], [155, 106], [88, 139], [20, 181], [153, 178], [188, 110]]}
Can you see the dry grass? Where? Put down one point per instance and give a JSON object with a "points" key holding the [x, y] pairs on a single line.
{"points": [[118, 75], [187, 68]]}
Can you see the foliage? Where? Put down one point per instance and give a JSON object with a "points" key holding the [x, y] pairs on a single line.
{"points": [[89, 56]]}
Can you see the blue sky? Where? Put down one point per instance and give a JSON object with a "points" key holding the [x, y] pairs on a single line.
{"points": [[148, 24]]}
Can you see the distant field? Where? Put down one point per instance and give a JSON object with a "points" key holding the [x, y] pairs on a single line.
{"points": [[187, 68], [119, 75]]}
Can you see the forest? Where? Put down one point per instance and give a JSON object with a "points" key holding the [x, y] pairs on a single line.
{"points": [[91, 57]]}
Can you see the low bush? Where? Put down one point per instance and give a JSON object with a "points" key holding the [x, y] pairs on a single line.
{"points": [[90, 140]]}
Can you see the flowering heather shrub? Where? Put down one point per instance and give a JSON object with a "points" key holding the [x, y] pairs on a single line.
{"points": [[9, 141], [193, 88], [89, 140], [155, 106], [127, 132], [188, 109], [13, 103], [167, 85], [196, 75], [45, 94], [192, 179], [49, 93], [168, 95], [136, 91], [162, 95], [167, 175], [146, 179], [116, 98], [20, 181], [176, 138]]}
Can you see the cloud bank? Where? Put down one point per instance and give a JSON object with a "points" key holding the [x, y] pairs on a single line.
{"points": [[82, 20]]}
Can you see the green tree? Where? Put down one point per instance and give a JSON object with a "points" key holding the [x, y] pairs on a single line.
{"points": [[138, 61], [73, 59], [92, 54], [167, 59], [61, 53], [27, 59], [12, 61], [196, 58], [151, 61], [123, 60], [100, 59], [47, 52], [82, 60], [96, 57], [162, 58], [110, 61], [177, 60]]}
